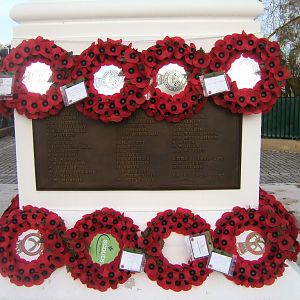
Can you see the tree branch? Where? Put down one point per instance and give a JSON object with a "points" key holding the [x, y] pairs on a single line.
{"points": [[283, 26]]}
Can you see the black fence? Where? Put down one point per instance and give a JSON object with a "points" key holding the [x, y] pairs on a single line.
{"points": [[283, 121]]}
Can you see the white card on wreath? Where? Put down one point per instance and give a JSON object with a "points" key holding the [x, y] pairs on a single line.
{"points": [[133, 262], [221, 262], [6, 85], [73, 92], [214, 83], [199, 246]]}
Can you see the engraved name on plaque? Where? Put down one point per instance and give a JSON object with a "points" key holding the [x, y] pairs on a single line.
{"points": [[75, 153]]}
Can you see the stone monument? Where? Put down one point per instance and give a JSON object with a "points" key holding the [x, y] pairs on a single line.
{"points": [[62, 168]]}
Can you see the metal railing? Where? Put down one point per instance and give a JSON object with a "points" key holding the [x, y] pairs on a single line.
{"points": [[283, 121], [4, 122]]}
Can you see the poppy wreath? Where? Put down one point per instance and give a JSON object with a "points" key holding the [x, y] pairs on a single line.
{"points": [[13, 205], [50, 226], [280, 244], [5, 111], [267, 90], [157, 267], [174, 108], [36, 105], [270, 204], [115, 107], [78, 239]]}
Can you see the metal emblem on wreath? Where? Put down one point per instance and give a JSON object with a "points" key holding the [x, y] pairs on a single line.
{"points": [[111, 79], [254, 244], [30, 245], [173, 80]]}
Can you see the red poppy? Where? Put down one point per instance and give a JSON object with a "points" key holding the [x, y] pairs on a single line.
{"points": [[38, 46], [273, 48], [113, 48], [281, 73], [65, 61], [240, 41], [221, 53], [43, 105], [261, 45], [25, 49], [251, 42], [228, 41], [131, 55], [130, 70], [273, 220], [273, 63], [201, 60], [17, 57], [271, 86], [139, 81], [216, 64], [285, 242]]}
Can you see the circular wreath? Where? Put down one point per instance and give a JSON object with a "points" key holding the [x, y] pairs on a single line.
{"points": [[174, 108], [79, 261], [13, 205], [36, 105], [173, 276], [50, 226], [116, 107], [5, 111], [279, 243], [269, 203], [273, 74]]}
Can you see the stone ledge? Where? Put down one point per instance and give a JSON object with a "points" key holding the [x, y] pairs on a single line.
{"points": [[281, 145], [7, 131], [71, 10]]}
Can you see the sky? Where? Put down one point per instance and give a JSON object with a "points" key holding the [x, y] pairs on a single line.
{"points": [[6, 23]]}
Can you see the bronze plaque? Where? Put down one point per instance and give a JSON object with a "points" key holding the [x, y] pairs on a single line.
{"points": [[75, 153]]}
